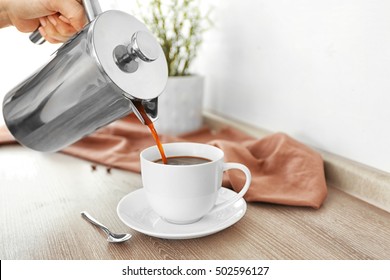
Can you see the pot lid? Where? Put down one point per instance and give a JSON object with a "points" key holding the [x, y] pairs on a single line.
{"points": [[129, 54]]}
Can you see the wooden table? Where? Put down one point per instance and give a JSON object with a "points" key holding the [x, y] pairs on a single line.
{"points": [[42, 195]]}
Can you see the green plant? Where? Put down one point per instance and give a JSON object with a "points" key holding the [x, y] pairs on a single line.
{"points": [[179, 26]]}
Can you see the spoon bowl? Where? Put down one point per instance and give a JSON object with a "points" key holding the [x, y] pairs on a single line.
{"points": [[118, 237]]}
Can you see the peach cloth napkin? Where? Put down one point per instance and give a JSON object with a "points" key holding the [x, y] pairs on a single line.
{"points": [[284, 171]]}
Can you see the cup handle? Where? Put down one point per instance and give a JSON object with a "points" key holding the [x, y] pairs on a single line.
{"points": [[243, 168]]}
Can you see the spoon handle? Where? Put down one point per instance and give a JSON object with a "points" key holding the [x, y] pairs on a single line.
{"points": [[92, 220]]}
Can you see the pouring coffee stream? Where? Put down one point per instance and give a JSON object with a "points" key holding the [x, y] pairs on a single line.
{"points": [[152, 129]]}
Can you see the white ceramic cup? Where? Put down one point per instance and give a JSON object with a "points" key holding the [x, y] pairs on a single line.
{"points": [[183, 194]]}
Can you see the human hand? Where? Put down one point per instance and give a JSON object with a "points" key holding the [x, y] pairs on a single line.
{"points": [[57, 19]]}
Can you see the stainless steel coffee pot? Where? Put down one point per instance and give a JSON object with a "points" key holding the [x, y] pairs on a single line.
{"points": [[90, 81]]}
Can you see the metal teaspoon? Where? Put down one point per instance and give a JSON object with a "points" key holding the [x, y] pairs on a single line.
{"points": [[111, 237]]}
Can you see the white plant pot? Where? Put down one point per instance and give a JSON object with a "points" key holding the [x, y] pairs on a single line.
{"points": [[180, 105]]}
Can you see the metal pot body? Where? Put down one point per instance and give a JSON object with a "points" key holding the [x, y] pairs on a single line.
{"points": [[89, 82], [66, 99]]}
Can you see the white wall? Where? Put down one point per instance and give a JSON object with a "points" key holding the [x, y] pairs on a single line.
{"points": [[318, 70]]}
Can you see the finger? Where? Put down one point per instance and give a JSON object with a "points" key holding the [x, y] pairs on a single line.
{"points": [[49, 32], [64, 19], [64, 29], [72, 10], [47, 38]]}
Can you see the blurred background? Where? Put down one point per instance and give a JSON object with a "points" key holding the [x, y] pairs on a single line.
{"points": [[317, 70]]}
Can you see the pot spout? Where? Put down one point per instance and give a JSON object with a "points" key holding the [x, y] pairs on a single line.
{"points": [[145, 110]]}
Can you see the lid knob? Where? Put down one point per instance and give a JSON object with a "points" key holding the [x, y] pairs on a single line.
{"points": [[143, 46]]}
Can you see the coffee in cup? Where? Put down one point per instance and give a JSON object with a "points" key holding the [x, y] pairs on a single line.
{"points": [[183, 160], [186, 189]]}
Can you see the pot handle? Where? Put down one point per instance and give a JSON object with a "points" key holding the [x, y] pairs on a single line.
{"points": [[92, 10]]}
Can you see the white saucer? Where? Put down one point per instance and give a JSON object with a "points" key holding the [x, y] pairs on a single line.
{"points": [[135, 212]]}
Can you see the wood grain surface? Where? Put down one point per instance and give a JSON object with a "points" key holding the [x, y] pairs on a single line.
{"points": [[42, 195]]}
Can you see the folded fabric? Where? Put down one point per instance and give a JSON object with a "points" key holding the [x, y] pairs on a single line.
{"points": [[284, 171], [5, 136]]}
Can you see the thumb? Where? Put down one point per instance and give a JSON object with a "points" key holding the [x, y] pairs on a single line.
{"points": [[72, 10]]}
